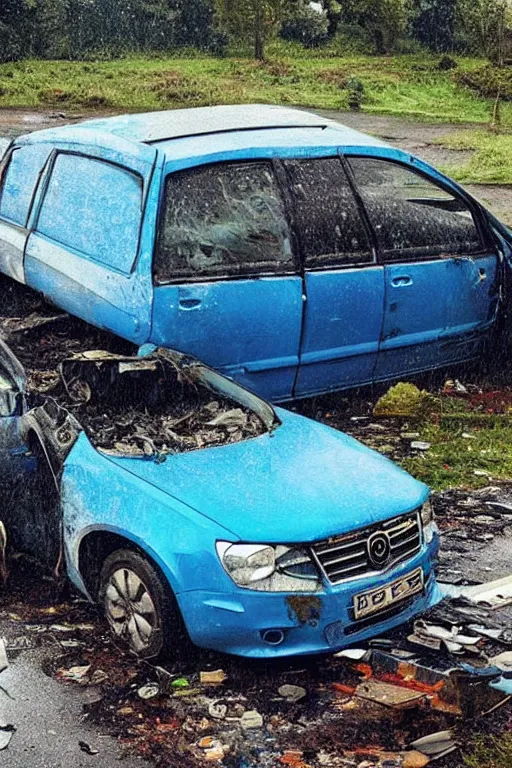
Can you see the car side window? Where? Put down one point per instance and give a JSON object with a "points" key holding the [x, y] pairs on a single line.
{"points": [[95, 208], [223, 220], [331, 230], [19, 181], [413, 218]]}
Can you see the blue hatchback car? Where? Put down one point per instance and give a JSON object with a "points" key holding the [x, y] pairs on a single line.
{"points": [[188, 506], [291, 253]]}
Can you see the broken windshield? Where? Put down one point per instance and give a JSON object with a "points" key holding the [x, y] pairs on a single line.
{"points": [[223, 219]]}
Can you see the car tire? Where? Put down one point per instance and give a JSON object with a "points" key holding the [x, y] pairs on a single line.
{"points": [[140, 608]]}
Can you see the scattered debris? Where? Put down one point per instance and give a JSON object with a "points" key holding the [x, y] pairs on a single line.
{"points": [[85, 747], [420, 445], [251, 719], [212, 678], [292, 693], [218, 710], [6, 732], [495, 594], [436, 745], [389, 695], [149, 691], [356, 654], [76, 674]]}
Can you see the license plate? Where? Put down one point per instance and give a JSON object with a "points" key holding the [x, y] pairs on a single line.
{"points": [[375, 600]]}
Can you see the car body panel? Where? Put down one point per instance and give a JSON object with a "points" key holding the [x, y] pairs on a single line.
{"points": [[13, 239], [342, 327], [324, 623], [99, 294], [435, 313], [306, 470], [292, 335], [203, 121], [232, 325]]}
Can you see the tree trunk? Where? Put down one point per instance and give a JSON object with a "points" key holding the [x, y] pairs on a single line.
{"points": [[259, 38], [380, 46]]}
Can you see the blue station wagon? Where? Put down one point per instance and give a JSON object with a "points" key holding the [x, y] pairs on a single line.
{"points": [[189, 507], [289, 252]]}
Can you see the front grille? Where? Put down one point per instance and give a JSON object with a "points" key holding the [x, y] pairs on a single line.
{"points": [[346, 557]]}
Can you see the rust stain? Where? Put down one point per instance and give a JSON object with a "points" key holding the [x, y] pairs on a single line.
{"points": [[304, 608]]}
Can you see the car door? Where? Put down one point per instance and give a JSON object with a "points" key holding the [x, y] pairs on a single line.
{"points": [[441, 288], [227, 287], [19, 175], [343, 284], [89, 236]]}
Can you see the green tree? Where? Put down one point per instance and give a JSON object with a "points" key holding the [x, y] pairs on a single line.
{"points": [[12, 28], [46, 28], [251, 18], [385, 20], [482, 27], [433, 23]]}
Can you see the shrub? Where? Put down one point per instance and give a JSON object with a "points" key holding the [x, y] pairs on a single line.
{"points": [[309, 27], [10, 44]]}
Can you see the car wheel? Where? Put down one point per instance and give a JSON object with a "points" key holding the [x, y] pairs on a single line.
{"points": [[142, 612]]}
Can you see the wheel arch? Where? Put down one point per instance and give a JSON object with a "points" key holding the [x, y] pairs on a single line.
{"points": [[98, 543]]}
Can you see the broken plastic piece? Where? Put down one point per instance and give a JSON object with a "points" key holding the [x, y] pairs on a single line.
{"points": [[494, 594], [292, 693], [354, 654], [251, 719], [436, 744]]}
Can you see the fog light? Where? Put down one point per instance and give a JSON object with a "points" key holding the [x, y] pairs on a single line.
{"points": [[273, 636]]}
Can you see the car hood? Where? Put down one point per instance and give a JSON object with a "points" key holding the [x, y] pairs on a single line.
{"points": [[302, 483]]}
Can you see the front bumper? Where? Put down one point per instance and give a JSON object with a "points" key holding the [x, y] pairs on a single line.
{"points": [[238, 621]]}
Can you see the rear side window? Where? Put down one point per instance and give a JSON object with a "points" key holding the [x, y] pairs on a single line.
{"points": [[329, 224], [19, 182], [95, 208], [222, 221], [413, 218]]}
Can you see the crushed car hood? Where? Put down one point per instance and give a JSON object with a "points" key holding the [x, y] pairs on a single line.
{"points": [[302, 483]]}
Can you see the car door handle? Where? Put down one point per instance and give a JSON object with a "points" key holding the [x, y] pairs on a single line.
{"points": [[402, 281], [190, 303]]}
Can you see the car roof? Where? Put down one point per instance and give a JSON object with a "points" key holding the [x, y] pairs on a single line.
{"points": [[172, 127]]}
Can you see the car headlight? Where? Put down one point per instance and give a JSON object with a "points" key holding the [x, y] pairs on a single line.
{"points": [[427, 513], [271, 568]]}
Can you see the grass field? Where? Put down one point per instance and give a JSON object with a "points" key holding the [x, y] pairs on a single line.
{"points": [[491, 162], [409, 85]]}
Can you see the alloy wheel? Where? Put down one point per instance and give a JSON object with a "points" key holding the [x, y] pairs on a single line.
{"points": [[130, 609]]}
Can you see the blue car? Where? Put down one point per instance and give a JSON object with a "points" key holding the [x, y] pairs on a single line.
{"points": [[190, 508], [287, 251]]}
